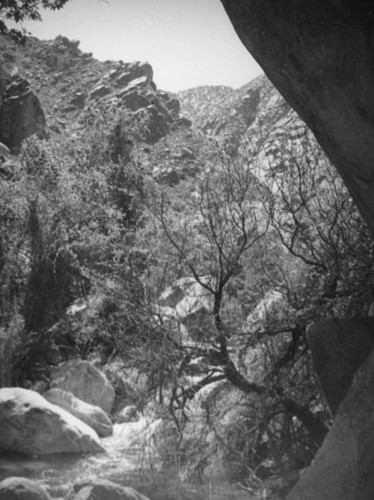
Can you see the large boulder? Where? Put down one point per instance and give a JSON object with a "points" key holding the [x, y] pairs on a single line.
{"points": [[344, 466], [31, 425], [85, 381], [339, 347], [96, 489], [271, 310], [21, 488], [91, 415], [20, 114], [189, 304], [126, 72]]}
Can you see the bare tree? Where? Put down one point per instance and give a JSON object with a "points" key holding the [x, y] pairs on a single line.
{"points": [[210, 230], [319, 224]]}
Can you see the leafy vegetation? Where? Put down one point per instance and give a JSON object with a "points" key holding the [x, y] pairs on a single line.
{"points": [[203, 286], [22, 10]]}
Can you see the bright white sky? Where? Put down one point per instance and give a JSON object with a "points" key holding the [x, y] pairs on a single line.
{"points": [[187, 42]]}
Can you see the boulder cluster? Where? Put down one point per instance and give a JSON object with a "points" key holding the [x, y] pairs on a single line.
{"points": [[69, 418]]}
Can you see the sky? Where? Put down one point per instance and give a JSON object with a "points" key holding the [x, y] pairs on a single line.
{"points": [[187, 42]]}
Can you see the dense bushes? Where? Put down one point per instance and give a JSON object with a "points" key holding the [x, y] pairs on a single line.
{"points": [[244, 241], [63, 233], [82, 219]]}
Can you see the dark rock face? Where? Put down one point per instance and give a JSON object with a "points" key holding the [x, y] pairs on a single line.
{"points": [[339, 347], [320, 56], [250, 103], [4, 80], [20, 114], [156, 123], [344, 466]]}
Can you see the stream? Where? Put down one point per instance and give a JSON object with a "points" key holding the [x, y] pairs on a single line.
{"points": [[125, 462]]}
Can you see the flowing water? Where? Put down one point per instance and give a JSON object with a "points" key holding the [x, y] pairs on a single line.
{"points": [[126, 461]]}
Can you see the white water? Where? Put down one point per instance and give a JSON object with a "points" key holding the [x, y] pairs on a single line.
{"points": [[131, 459]]}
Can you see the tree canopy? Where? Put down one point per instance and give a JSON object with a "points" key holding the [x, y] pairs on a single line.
{"points": [[18, 11]]}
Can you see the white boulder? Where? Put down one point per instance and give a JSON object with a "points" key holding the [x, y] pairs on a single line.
{"points": [[273, 309], [32, 425], [127, 414], [91, 415]]}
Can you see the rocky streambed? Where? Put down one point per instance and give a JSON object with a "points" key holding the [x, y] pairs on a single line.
{"points": [[65, 445], [126, 461]]}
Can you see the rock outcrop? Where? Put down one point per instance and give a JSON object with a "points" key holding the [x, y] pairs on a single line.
{"points": [[189, 305], [21, 114], [227, 115], [176, 149], [72, 87], [21, 488], [91, 415], [85, 381], [272, 309], [344, 466], [339, 347], [127, 414], [100, 489], [33, 426], [319, 55]]}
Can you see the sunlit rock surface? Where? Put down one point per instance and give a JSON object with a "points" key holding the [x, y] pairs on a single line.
{"points": [[188, 304], [272, 309], [127, 414], [85, 381], [32, 425], [91, 415]]}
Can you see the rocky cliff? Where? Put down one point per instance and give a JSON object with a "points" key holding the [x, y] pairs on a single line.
{"points": [[53, 88], [228, 115], [68, 82]]}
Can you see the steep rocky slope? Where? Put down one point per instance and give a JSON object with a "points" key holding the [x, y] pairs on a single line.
{"points": [[232, 115], [72, 87], [177, 133], [67, 80], [253, 123]]}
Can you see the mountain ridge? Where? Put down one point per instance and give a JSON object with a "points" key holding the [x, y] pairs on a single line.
{"points": [[177, 129]]}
